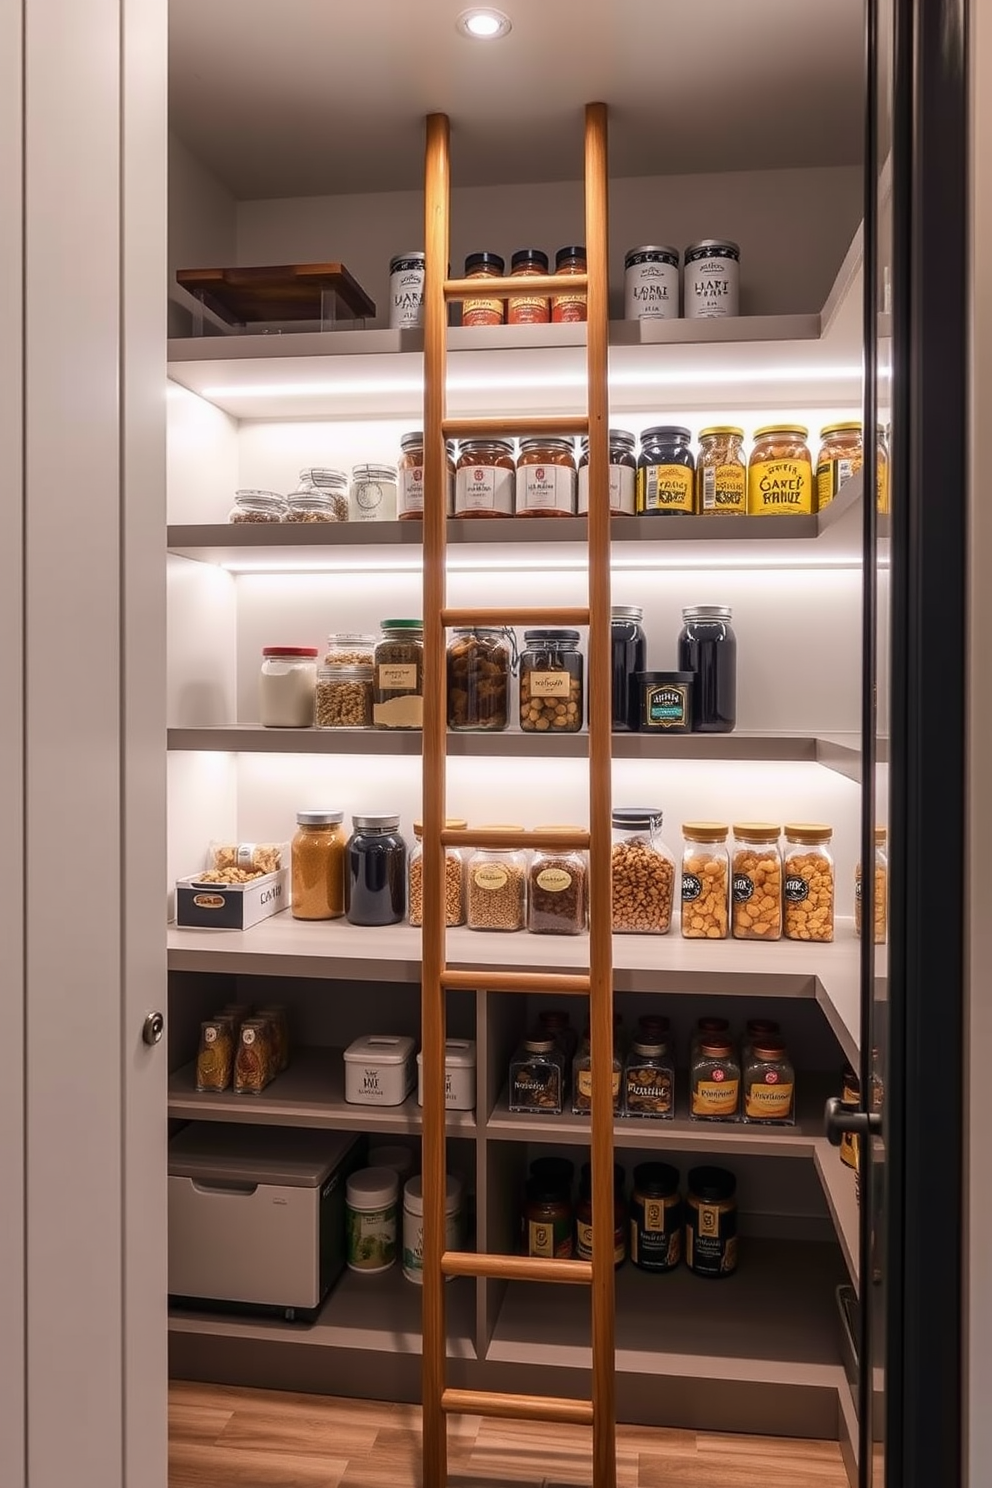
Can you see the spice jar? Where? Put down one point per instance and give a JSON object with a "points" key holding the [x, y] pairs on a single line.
{"points": [[757, 1031], [880, 897], [344, 697], [583, 1216], [556, 890], [623, 474], [714, 1080], [769, 1084], [705, 881], [628, 656], [711, 1222], [371, 1219], [705, 1029], [279, 1024], [666, 472], [478, 664], [399, 676], [311, 505], [485, 477], [215, 1059], [571, 304], [373, 493], [711, 279], [708, 649], [649, 1076], [349, 648], [317, 872], [721, 472], [642, 871], [547, 1220], [286, 686], [651, 284], [656, 1217], [546, 478], [486, 311], [808, 886], [780, 472], [756, 886], [528, 309], [537, 1076], [582, 1072], [410, 478], [254, 1062], [454, 876], [551, 695], [406, 291], [257, 506], [375, 880], [497, 886], [841, 455]]}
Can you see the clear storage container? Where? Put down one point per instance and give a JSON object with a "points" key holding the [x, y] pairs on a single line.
{"points": [[705, 881], [551, 688], [350, 648], [399, 676], [880, 899], [374, 491], [643, 872], [479, 663], [332, 485], [454, 876], [808, 886], [756, 889], [258, 506], [557, 890], [287, 686], [497, 886], [769, 1084], [344, 697], [312, 505]]}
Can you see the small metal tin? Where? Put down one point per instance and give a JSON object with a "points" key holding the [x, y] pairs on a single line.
{"points": [[664, 702]]}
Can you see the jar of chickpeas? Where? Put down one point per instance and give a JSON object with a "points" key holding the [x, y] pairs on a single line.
{"points": [[705, 881], [756, 886], [551, 692], [808, 887], [454, 876], [497, 885]]}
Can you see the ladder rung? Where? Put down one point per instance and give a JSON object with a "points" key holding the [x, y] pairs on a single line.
{"points": [[559, 983], [516, 1268], [499, 837], [517, 1407], [514, 428], [472, 618], [521, 284]]}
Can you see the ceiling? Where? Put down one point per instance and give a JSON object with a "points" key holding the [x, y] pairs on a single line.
{"points": [[298, 97]]}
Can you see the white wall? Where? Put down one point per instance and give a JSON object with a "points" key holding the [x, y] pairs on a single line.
{"points": [[202, 224]]}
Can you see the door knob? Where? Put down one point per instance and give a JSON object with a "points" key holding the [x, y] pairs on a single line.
{"points": [[153, 1029], [841, 1119]]}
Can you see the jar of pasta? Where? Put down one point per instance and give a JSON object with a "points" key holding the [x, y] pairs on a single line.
{"points": [[479, 662], [454, 876], [841, 456], [666, 472], [623, 474], [880, 897], [570, 305], [756, 891], [551, 693], [705, 881], [215, 1060], [780, 472], [317, 872], [344, 697], [808, 887], [254, 1061], [524, 308], [487, 310], [721, 472], [484, 478], [497, 886], [546, 478], [399, 676], [410, 489]]}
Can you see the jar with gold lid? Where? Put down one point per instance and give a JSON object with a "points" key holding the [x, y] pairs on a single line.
{"points": [[721, 472], [756, 885], [808, 886], [705, 881], [546, 477], [841, 456], [485, 476], [780, 472], [880, 895]]}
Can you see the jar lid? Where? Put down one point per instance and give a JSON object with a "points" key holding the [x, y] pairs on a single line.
{"points": [[560, 827], [716, 1046], [650, 1041], [550, 635], [373, 472], [451, 824], [559, 1171], [500, 827], [707, 612], [372, 1188], [712, 1185], [319, 818], [458, 1054], [853, 426], [706, 246], [656, 1180], [402, 624], [569, 252], [320, 477], [413, 1194], [626, 612], [406, 260], [721, 429], [712, 1025], [661, 678], [757, 1026], [637, 816], [377, 823], [264, 498], [467, 446], [616, 436], [350, 638], [289, 650], [530, 256], [705, 831], [484, 261], [757, 831], [799, 429], [768, 1048], [808, 831], [650, 253], [543, 441], [380, 1048], [666, 434], [538, 1044], [345, 671], [654, 1021]]}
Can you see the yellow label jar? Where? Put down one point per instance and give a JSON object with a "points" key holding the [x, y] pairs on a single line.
{"points": [[721, 474], [780, 472], [666, 473], [841, 456]]}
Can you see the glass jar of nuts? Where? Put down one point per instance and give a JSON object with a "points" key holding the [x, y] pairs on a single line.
{"points": [[556, 890], [880, 896], [454, 876], [497, 886], [551, 692], [344, 697], [756, 912], [808, 887], [350, 648], [643, 873], [705, 881], [479, 664]]}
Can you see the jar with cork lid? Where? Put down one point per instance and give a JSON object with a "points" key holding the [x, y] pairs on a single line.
{"points": [[497, 885], [454, 876], [808, 885], [756, 891]]}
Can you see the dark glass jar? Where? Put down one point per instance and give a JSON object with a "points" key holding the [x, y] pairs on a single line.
{"points": [[488, 311], [666, 473], [547, 1220], [630, 655], [711, 1222], [571, 305], [583, 1216], [524, 308], [551, 694], [479, 662], [708, 647], [656, 1217], [375, 880]]}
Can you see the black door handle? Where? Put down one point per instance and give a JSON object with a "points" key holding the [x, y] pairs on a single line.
{"points": [[842, 1120]]}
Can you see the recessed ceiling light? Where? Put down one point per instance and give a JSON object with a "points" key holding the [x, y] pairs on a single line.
{"points": [[483, 25]]}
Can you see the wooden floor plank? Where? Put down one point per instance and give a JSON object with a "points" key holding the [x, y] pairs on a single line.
{"points": [[197, 1466]]}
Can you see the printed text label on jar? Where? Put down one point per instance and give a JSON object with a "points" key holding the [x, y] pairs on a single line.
{"points": [[554, 880], [724, 488], [667, 488], [768, 1099], [547, 488], [780, 486], [550, 684], [485, 488], [393, 676], [623, 490], [492, 878], [715, 1097]]}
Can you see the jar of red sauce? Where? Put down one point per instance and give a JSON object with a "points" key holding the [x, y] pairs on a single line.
{"points": [[484, 311], [546, 478], [528, 309], [571, 305]]}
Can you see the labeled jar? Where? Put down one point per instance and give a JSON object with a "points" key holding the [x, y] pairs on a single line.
{"points": [[656, 1217], [254, 1060], [317, 871], [757, 1031], [406, 291], [375, 876], [583, 1216], [666, 472], [880, 896], [537, 1076], [711, 279], [569, 305], [882, 456], [485, 478], [649, 1077], [371, 1215], [628, 657], [410, 478], [623, 474], [850, 1096], [708, 649], [769, 1084], [756, 883], [705, 881], [215, 1058], [332, 485], [842, 454], [454, 876], [413, 1223], [350, 648], [780, 472], [479, 662], [715, 1080], [557, 890], [546, 478], [312, 505], [279, 1024], [488, 310], [582, 1072], [497, 886], [721, 472], [398, 701], [287, 686], [642, 871], [551, 690], [663, 702], [344, 697], [373, 493], [547, 1220], [711, 1222], [523, 308], [651, 284], [808, 885], [258, 506]]}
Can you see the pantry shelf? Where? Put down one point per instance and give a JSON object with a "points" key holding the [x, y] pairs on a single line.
{"points": [[841, 1195]]}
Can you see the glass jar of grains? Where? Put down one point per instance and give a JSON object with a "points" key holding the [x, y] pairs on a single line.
{"points": [[485, 475], [721, 472], [410, 495], [780, 472], [332, 485], [643, 873], [497, 886], [841, 456], [344, 697], [349, 648], [454, 876], [546, 478], [756, 887], [808, 886], [881, 892], [399, 676], [479, 662], [258, 506], [310, 505], [317, 872], [556, 890], [705, 881], [551, 693], [623, 474]]}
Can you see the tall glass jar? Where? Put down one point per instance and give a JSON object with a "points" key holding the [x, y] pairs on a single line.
{"points": [[375, 877], [623, 474], [479, 662], [705, 881], [643, 873], [780, 472], [666, 472], [344, 697], [880, 901], [570, 305], [808, 887], [399, 676], [629, 648], [497, 886], [757, 882], [524, 308], [721, 472], [551, 692], [317, 872], [708, 648], [487, 310], [410, 494], [454, 876], [546, 478], [485, 476]]}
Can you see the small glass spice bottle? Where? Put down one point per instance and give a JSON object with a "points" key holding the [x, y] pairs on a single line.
{"points": [[523, 308], [485, 311], [715, 1081], [570, 305], [705, 881], [537, 1076], [649, 1077], [769, 1084], [808, 886], [756, 886]]}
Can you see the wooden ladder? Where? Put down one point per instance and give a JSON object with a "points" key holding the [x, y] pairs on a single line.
{"points": [[438, 1400]]}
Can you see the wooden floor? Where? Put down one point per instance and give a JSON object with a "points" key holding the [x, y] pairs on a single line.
{"points": [[230, 1438]]}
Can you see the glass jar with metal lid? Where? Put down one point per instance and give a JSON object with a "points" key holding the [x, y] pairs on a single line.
{"points": [[410, 485], [656, 1217], [643, 872], [705, 881], [332, 485], [551, 692], [651, 284], [629, 648], [546, 478], [623, 474], [714, 1080], [711, 279], [317, 872], [497, 886], [808, 885], [258, 506], [454, 876], [344, 697], [769, 1083], [312, 505], [375, 875], [721, 472], [708, 648], [570, 305], [524, 308], [485, 311], [711, 1222], [780, 472], [756, 884], [373, 493], [666, 472], [479, 663], [350, 648], [485, 475], [841, 455], [399, 676]]}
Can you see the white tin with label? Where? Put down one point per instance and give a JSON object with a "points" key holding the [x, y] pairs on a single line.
{"points": [[651, 284], [711, 279], [379, 1070]]}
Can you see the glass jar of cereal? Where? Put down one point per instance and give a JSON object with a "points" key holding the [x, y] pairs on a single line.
{"points": [[705, 881], [808, 887], [757, 882]]}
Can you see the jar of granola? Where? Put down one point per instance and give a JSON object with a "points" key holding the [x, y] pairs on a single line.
{"points": [[780, 472], [546, 478], [479, 662], [808, 887], [497, 886], [880, 898], [643, 873], [344, 697], [410, 492], [756, 890], [454, 876], [705, 881], [484, 478], [721, 472], [349, 648]]}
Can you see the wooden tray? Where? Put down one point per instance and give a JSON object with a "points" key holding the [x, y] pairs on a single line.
{"points": [[290, 292]]}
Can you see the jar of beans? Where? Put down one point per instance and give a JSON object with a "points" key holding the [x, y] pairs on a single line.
{"points": [[643, 872], [479, 663], [705, 881], [808, 887], [454, 876], [497, 886], [757, 882], [556, 890], [344, 697], [551, 690]]}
